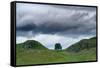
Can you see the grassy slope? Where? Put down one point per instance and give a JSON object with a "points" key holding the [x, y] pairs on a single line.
{"points": [[42, 56], [50, 56], [82, 44], [35, 44]]}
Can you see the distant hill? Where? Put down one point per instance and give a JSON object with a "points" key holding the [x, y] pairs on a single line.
{"points": [[83, 44], [31, 44]]}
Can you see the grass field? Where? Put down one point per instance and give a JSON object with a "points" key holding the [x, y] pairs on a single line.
{"points": [[25, 57]]}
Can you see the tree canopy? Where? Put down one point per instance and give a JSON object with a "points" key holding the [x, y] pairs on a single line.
{"points": [[58, 46]]}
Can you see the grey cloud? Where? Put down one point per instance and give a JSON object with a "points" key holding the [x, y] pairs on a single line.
{"points": [[67, 20]]}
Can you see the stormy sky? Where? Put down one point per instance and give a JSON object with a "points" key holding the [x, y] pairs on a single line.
{"points": [[50, 24]]}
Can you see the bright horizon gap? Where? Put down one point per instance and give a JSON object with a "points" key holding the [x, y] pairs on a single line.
{"points": [[64, 41]]}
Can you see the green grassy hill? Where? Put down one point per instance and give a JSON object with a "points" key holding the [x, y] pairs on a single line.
{"points": [[36, 53], [83, 44], [31, 44]]}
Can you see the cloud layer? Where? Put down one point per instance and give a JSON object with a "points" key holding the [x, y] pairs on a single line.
{"points": [[48, 19]]}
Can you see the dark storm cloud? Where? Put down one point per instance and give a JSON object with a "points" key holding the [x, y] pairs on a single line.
{"points": [[61, 20]]}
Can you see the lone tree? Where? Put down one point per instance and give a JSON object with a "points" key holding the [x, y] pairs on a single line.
{"points": [[58, 46]]}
